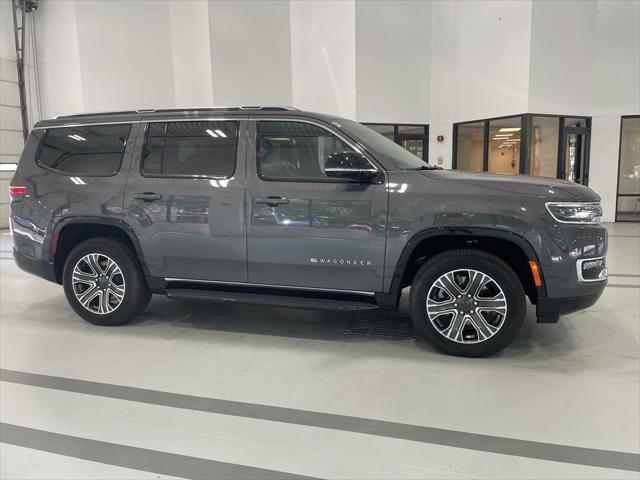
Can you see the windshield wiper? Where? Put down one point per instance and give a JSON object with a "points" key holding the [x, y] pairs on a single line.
{"points": [[426, 167]]}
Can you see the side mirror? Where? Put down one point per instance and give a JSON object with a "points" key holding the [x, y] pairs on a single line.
{"points": [[351, 165]]}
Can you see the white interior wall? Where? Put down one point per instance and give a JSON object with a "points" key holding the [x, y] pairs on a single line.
{"points": [[616, 91], [435, 62], [479, 65], [323, 56], [125, 54], [250, 52], [190, 52], [59, 58], [392, 61], [10, 120]]}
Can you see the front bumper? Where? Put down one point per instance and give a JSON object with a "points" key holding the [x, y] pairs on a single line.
{"points": [[549, 310], [562, 251]]}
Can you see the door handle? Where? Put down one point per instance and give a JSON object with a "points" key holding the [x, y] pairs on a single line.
{"points": [[147, 196], [273, 201]]}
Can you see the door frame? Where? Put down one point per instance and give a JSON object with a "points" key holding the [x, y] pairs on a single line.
{"points": [[562, 150]]}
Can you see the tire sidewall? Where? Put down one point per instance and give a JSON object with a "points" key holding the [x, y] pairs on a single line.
{"points": [[129, 268], [482, 262]]}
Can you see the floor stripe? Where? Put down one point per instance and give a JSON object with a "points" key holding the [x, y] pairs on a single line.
{"points": [[133, 457], [416, 433], [621, 285], [633, 275]]}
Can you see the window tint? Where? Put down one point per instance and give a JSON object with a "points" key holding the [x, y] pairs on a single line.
{"points": [[380, 147], [90, 150], [295, 150], [191, 149]]}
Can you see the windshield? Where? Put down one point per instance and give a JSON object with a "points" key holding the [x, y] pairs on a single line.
{"points": [[390, 153]]}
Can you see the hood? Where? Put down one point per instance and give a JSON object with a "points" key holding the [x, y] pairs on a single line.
{"points": [[542, 187]]}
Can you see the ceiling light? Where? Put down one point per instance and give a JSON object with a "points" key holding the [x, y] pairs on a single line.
{"points": [[504, 135], [77, 137], [510, 129], [8, 167], [210, 132], [221, 133]]}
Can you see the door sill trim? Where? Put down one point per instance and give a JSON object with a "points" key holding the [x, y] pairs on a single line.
{"points": [[266, 285]]}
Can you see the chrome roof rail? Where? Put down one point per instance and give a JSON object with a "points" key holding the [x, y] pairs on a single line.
{"points": [[180, 109]]}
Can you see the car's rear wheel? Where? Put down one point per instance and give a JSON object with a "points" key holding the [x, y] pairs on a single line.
{"points": [[467, 302], [104, 283]]}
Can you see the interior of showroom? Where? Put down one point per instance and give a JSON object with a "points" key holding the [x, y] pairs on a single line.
{"points": [[549, 89]]}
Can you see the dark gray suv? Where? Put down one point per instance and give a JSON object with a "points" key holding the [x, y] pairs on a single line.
{"points": [[283, 207]]}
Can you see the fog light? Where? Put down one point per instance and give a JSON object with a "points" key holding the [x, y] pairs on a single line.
{"points": [[592, 269]]}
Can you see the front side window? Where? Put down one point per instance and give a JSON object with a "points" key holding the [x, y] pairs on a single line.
{"points": [[191, 149], [295, 150], [92, 150]]}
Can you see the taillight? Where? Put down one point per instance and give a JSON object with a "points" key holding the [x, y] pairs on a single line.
{"points": [[17, 192]]}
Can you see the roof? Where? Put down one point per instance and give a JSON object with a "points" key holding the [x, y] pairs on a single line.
{"points": [[127, 116], [184, 110]]}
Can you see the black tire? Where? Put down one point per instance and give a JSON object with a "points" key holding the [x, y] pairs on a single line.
{"points": [[502, 275], [136, 292]]}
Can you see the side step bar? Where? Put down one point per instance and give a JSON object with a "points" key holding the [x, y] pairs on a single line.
{"points": [[256, 298]]}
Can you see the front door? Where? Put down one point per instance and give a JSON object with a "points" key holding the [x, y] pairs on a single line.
{"points": [[306, 229], [574, 164], [185, 199]]}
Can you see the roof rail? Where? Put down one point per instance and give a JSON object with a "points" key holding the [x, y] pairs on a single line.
{"points": [[174, 110]]}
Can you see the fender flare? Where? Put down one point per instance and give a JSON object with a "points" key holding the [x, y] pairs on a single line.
{"points": [[462, 232], [51, 242]]}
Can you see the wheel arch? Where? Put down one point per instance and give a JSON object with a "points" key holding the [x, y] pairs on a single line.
{"points": [[514, 249], [71, 231]]}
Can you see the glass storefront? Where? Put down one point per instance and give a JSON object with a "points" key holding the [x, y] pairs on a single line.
{"points": [[545, 132], [534, 144], [410, 137], [504, 145], [469, 145], [628, 201]]}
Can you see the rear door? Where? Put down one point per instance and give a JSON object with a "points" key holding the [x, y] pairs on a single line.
{"points": [[185, 198], [306, 229]]}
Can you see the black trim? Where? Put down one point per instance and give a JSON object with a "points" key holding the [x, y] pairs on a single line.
{"points": [[549, 310], [461, 231], [265, 295], [112, 222], [35, 266]]}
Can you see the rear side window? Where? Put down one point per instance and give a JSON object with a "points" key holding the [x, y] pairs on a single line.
{"points": [[191, 149], [93, 150]]}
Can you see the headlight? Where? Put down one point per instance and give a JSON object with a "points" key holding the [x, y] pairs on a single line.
{"points": [[575, 212]]}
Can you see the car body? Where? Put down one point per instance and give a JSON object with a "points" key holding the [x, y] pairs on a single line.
{"points": [[268, 225]]}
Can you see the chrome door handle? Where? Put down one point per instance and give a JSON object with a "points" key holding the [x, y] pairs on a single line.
{"points": [[273, 201]]}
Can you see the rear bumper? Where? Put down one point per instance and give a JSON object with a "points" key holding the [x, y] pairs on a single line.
{"points": [[549, 310], [35, 266]]}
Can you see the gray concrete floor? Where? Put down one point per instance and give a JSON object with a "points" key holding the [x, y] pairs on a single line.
{"points": [[202, 390]]}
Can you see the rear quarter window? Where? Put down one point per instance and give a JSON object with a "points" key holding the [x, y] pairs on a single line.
{"points": [[92, 150]]}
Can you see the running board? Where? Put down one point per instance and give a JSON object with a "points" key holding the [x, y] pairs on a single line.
{"points": [[256, 298]]}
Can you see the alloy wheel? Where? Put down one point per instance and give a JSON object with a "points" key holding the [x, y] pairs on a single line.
{"points": [[98, 283], [466, 306]]}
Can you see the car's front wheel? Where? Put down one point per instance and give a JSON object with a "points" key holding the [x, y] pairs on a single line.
{"points": [[104, 283], [467, 302]]}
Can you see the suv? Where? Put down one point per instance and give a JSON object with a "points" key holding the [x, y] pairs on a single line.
{"points": [[283, 207]]}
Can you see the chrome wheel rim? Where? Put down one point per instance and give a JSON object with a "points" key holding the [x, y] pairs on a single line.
{"points": [[98, 283], [466, 306]]}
